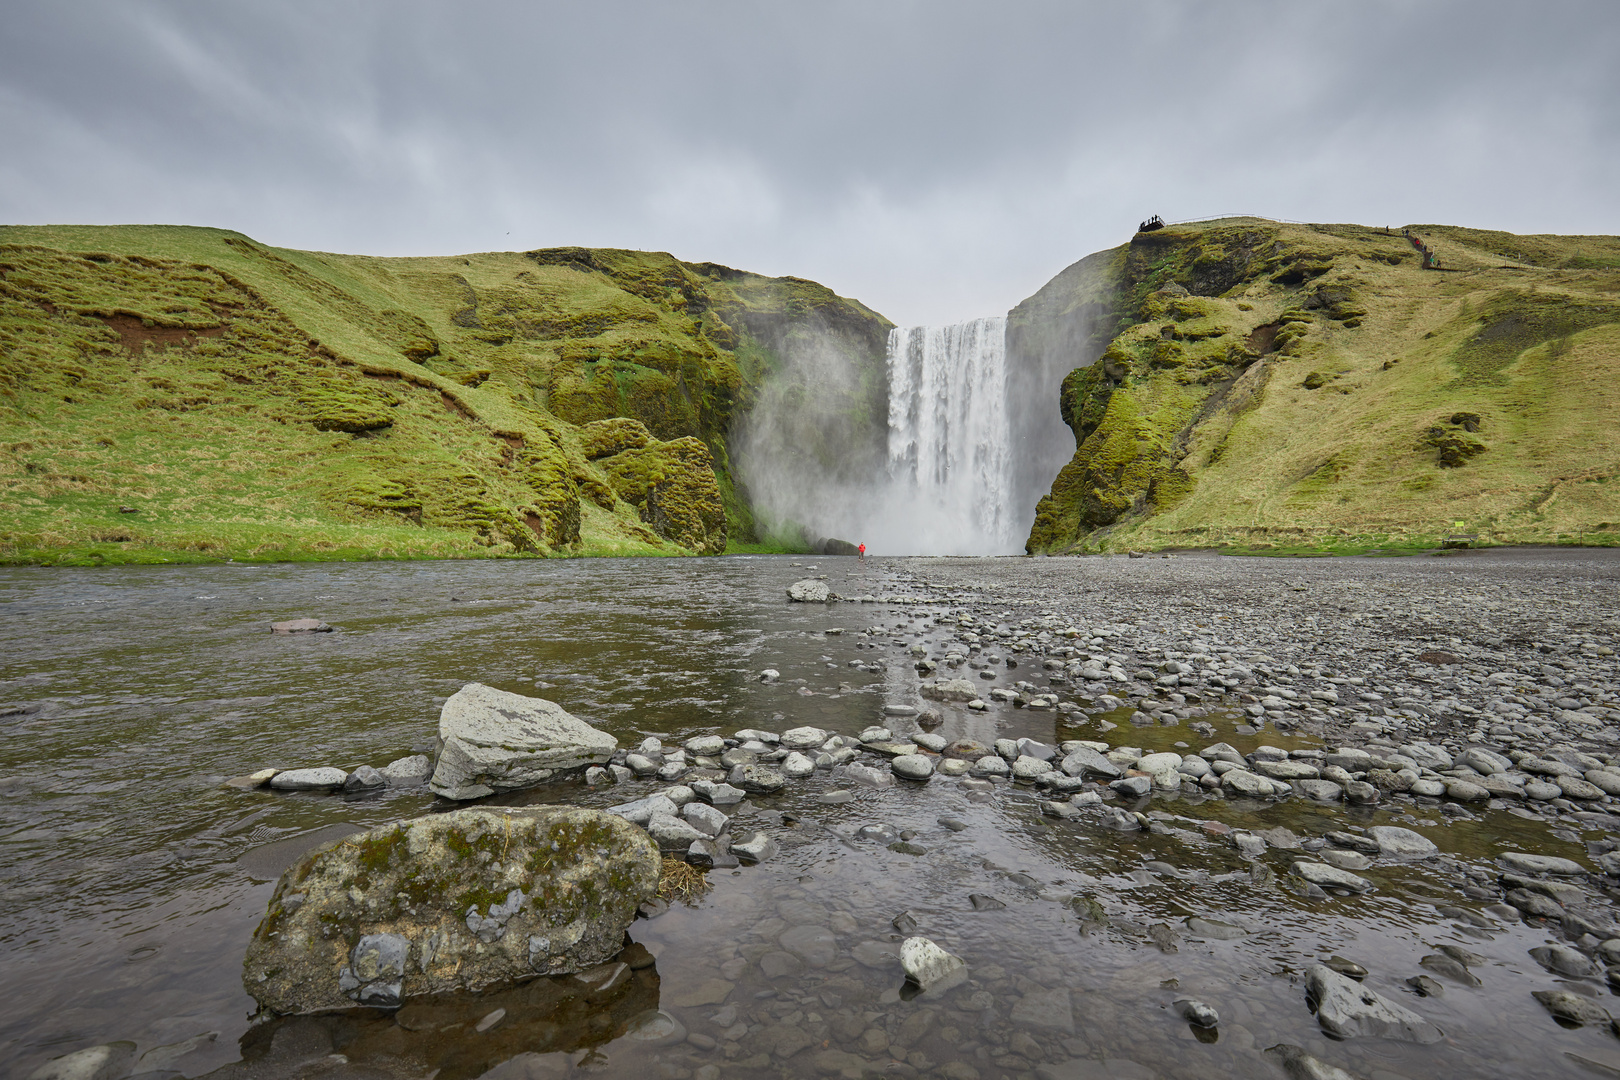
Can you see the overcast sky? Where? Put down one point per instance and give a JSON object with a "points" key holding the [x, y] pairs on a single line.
{"points": [[938, 160]]}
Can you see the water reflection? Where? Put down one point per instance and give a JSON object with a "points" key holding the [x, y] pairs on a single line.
{"points": [[130, 880]]}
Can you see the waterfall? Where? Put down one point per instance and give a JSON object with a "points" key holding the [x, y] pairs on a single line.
{"points": [[949, 459]]}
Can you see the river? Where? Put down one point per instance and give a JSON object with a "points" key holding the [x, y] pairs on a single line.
{"points": [[131, 879]]}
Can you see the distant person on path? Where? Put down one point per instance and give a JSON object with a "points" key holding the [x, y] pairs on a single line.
{"points": [[862, 550]]}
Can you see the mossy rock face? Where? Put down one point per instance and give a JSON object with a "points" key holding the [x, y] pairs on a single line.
{"points": [[604, 438], [463, 901], [673, 487]]}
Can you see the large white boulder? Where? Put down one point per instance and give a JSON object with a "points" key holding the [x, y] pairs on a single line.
{"points": [[495, 741]]}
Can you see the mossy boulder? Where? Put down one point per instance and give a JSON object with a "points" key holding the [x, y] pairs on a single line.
{"points": [[604, 438], [673, 487], [463, 901]]}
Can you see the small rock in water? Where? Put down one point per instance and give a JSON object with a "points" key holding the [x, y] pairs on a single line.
{"points": [[104, 1062], [407, 771], [866, 774], [300, 626], [720, 794], [1528, 864], [930, 967], [1303, 1066], [365, 778], [981, 902], [1572, 1007], [1331, 877], [252, 780], [308, 779], [1346, 1009], [769, 675], [757, 779], [913, 766], [753, 847], [1197, 1013]]}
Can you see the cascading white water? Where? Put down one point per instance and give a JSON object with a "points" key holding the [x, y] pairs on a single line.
{"points": [[949, 457]]}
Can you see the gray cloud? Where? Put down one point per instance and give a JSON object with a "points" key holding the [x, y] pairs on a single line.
{"points": [[937, 160]]}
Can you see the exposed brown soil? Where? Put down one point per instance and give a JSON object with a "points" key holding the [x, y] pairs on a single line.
{"points": [[136, 336]]}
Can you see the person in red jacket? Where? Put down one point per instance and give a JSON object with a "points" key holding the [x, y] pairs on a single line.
{"points": [[863, 551]]}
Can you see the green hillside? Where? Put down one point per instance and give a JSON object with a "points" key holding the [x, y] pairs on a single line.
{"points": [[1264, 386], [171, 393]]}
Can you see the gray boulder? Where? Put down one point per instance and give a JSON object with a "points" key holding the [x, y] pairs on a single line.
{"points": [[809, 591], [450, 902], [1085, 761], [365, 778], [1346, 1008], [495, 741]]}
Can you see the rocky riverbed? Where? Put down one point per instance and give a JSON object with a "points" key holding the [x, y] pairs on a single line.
{"points": [[1157, 810]]}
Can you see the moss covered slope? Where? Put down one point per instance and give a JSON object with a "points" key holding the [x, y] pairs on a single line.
{"points": [[1271, 386], [174, 392]]}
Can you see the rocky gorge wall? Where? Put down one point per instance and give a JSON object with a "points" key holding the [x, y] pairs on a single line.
{"points": [[172, 394], [1258, 385]]}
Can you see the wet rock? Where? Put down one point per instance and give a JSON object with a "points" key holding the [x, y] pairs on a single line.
{"points": [[809, 591], [300, 626], [913, 766], [1320, 790], [1213, 929], [1360, 793], [1196, 1012], [1576, 788], [1330, 877], [492, 741], [1084, 761], [930, 967], [109, 1061], [308, 779], [1449, 967], [991, 765], [1344, 860], [866, 774], [1028, 768], [753, 847], [388, 890], [704, 818], [756, 779], [936, 743], [1535, 904], [407, 771], [1562, 960], [1253, 785], [1348, 968], [982, 902], [949, 690], [672, 833], [796, 766], [1396, 842], [804, 738], [1300, 1065], [1526, 863], [1572, 1007], [1133, 787], [365, 778], [1347, 1009], [717, 793]]}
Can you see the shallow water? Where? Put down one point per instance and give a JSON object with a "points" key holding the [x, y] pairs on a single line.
{"points": [[130, 880]]}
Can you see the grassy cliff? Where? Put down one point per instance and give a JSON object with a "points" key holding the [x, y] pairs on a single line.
{"points": [[172, 393], [1263, 386]]}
